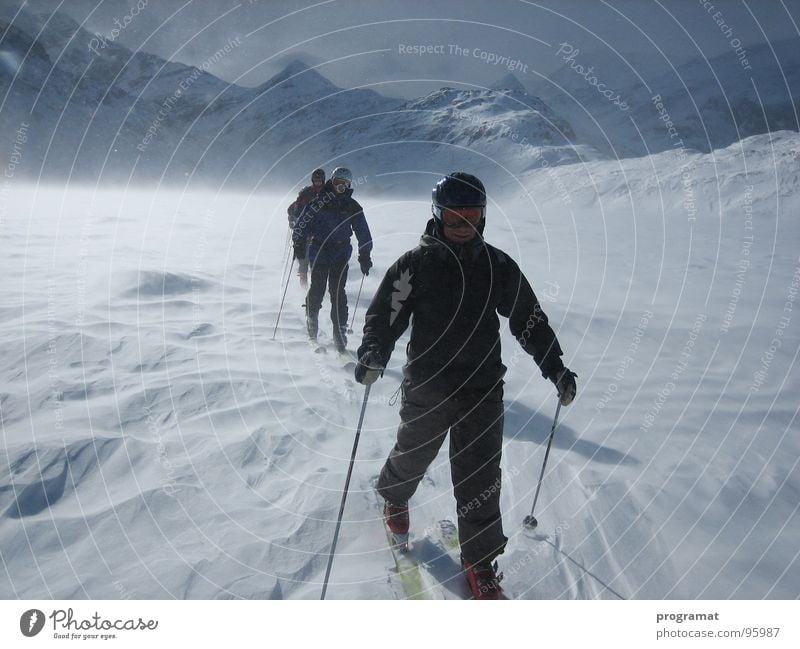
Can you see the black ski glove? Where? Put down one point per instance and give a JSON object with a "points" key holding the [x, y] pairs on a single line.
{"points": [[369, 368], [365, 262], [299, 252], [564, 380]]}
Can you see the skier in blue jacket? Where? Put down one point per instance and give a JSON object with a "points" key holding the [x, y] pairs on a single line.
{"points": [[323, 230]]}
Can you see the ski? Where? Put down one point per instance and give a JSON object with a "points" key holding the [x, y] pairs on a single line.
{"points": [[440, 553], [446, 532], [408, 570]]}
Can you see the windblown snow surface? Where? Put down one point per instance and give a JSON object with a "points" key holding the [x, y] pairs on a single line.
{"points": [[158, 443]]}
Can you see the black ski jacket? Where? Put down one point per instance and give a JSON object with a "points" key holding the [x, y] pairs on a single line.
{"points": [[452, 295]]}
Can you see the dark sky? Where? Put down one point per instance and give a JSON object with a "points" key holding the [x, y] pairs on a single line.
{"points": [[360, 42]]}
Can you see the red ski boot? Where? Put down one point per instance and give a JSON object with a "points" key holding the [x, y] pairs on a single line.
{"points": [[484, 582], [397, 520]]}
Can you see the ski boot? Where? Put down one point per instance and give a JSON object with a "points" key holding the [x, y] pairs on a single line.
{"points": [[483, 580], [397, 520], [340, 339], [312, 325]]}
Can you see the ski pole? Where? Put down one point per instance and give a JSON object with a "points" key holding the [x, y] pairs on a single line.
{"points": [[288, 277], [287, 246], [358, 298], [530, 521], [344, 493]]}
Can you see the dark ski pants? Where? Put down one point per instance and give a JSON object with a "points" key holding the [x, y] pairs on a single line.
{"points": [[334, 276], [475, 423]]}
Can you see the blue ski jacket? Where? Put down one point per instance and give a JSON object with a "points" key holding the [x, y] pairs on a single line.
{"points": [[325, 226]]}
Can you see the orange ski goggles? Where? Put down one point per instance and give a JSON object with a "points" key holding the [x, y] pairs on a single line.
{"points": [[462, 217]]}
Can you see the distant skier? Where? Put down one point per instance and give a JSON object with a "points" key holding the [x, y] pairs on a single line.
{"points": [[451, 288], [323, 230], [306, 195]]}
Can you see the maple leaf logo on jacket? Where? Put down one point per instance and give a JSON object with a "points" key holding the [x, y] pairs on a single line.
{"points": [[402, 289]]}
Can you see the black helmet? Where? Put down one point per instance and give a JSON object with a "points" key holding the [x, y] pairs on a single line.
{"points": [[318, 173], [457, 189], [343, 173]]}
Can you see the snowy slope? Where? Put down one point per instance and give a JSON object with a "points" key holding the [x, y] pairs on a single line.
{"points": [[158, 443]]}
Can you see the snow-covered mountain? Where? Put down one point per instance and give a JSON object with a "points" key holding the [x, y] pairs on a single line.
{"points": [[710, 102], [94, 110], [99, 111]]}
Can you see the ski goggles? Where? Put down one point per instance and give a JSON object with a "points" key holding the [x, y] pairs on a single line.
{"points": [[338, 182], [462, 217]]}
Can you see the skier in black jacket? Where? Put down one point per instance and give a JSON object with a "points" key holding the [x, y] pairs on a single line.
{"points": [[454, 284]]}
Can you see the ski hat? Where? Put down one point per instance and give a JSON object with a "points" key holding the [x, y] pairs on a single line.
{"points": [[458, 189], [342, 173], [318, 173]]}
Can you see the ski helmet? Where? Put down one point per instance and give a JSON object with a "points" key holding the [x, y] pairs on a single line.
{"points": [[458, 189], [342, 173], [318, 173]]}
